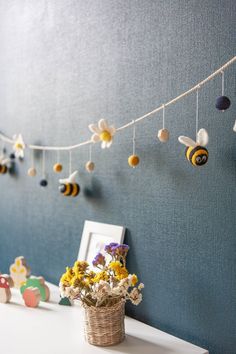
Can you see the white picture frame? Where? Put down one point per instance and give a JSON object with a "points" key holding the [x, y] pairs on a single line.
{"points": [[95, 236]]}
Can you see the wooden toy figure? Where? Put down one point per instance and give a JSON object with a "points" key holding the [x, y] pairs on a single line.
{"points": [[32, 297], [19, 272], [9, 279], [37, 282], [65, 301], [5, 292]]}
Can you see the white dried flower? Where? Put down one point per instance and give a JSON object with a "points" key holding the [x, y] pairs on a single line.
{"points": [[135, 296]]}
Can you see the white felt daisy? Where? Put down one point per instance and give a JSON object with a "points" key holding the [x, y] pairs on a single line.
{"points": [[18, 146], [102, 132]]}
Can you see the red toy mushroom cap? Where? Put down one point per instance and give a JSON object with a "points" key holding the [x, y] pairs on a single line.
{"points": [[4, 283]]}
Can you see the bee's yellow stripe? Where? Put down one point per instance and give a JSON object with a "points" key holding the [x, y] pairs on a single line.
{"points": [[75, 190], [196, 154], [188, 152], [68, 189]]}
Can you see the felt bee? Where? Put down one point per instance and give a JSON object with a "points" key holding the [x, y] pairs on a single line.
{"points": [[4, 162], [68, 186], [196, 153], [3, 169], [69, 189]]}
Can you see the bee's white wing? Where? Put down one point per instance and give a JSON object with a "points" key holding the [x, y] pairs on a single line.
{"points": [[202, 137], [187, 141], [70, 179], [6, 161], [234, 128]]}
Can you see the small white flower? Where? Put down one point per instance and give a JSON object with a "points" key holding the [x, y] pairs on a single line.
{"points": [[18, 145], [126, 282], [102, 132], [119, 290], [141, 286], [135, 296]]}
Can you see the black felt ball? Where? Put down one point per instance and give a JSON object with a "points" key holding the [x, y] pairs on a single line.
{"points": [[222, 103], [43, 183]]}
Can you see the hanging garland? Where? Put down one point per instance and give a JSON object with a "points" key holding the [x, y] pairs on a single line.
{"points": [[196, 152]]}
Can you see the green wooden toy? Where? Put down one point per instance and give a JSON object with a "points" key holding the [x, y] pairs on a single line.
{"points": [[65, 301], [37, 282]]}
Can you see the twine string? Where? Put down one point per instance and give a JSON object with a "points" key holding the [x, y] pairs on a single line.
{"points": [[70, 162], [223, 83], [163, 117], [134, 137], [197, 111], [43, 164]]}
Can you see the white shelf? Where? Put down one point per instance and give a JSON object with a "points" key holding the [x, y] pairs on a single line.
{"points": [[55, 329]]}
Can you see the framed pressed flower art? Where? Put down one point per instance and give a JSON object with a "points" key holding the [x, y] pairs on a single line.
{"points": [[95, 236]]}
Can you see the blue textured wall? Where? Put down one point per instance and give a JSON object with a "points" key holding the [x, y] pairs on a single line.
{"points": [[64, 64]]}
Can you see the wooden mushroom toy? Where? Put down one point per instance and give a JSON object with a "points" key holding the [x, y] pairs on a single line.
{"points": [[32, 297], [5, 292]]}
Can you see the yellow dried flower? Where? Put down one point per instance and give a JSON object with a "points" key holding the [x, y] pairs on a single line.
{"points": [[115, 265], [67, 276], [101, 276], [120, 271], [134, 279], [80, 266]]}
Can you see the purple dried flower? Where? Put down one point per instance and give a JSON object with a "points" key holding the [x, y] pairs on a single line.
{"points": [[120, 250], [99, 260], [108, 248]]}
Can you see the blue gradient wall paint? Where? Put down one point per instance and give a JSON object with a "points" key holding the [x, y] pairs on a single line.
{"points": [[64, 64]]}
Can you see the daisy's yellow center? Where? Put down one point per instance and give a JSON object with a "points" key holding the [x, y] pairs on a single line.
{"points": [[105, 136], [19, 146]]}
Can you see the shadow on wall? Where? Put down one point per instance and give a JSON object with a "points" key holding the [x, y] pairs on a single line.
{"points": [[93, 192]]}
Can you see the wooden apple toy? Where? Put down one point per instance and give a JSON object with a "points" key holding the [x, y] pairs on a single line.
{"points": [[32, 297]]}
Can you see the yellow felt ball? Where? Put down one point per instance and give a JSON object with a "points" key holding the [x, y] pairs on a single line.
{"points": [[57, 167], [105, 136], [90, 165], [32, 172], [133, 160]]}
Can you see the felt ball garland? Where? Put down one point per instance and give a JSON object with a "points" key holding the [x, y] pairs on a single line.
{"points": [[133, 160], [222, 102], [163, 134], [90, 165], [43, 182], [57, 167], [32, 172], [104, 133]]}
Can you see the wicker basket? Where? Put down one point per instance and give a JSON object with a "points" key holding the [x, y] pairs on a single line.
{"points": [[104, 326]]}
